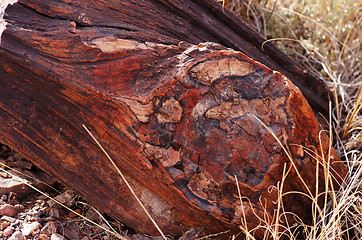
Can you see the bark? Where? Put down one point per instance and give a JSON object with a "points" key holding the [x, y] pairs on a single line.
{"points": [[180, 120]]}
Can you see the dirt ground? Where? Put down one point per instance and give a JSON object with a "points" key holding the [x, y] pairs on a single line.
{"points": [[35, 206]]}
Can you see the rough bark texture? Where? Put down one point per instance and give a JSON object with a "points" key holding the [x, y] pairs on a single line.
{"points": [[180, 120]]}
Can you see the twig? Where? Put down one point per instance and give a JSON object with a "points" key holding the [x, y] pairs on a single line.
{"points": [[126, 182]]}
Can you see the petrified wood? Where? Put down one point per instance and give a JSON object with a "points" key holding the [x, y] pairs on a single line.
{"points": [[180, 120]]}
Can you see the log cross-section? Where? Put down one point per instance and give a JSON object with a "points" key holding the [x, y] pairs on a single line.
{"points": [[180, 114]]}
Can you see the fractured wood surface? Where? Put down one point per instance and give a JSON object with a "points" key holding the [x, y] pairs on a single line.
{"points": [[171, 22], [179, 119]]}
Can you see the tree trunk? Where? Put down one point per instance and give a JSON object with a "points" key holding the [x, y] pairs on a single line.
{"points": [[180, 119]]}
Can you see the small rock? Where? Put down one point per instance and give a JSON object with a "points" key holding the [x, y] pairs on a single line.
{"points": [[54, 213], [56, 236], [28, 228], [10, 158], [49, 228], [8, 210], [8, 219], [71, 230], [22, 216], [4, 225], [22, 164], [8, 231], [39, 214], [74, 214], [12, 198], [18, 157], [16, 223], [43, 237], [5, 175], [40, 201], [4, 197], [19, 207], [48, 219], [93, 215], [192, 233], [139, 237], [87, 231], [4, 148], [35, 232], [3, 163], [8, 184], [64, 198], [17, 235]]}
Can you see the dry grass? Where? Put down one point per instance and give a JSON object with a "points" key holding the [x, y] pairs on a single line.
{"points": [[126, 182], [324, 36]]}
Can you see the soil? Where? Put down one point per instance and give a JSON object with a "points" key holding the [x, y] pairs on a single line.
{"points": [[35, 206]]}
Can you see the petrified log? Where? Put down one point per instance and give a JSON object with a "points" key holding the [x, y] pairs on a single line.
{"points": [[180, 120]]}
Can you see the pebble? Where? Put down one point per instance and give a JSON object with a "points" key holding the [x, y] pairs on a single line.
{"points": [[12, 197], [64, 198], [39, 215], [17, 235], [10, 158], [15, 224], [23, 164], [22, 216], [19, 207], [18, 157], [4, 225], [8, 231], [93, 215], [8, 219], [139, 237], [4, 197], [54, 213], [49, 228], [4, 148], [28, 228], [71, 230], [36, 232], [192, 233], [43, 237], [73, 214], [8, 210], [56, 236]]}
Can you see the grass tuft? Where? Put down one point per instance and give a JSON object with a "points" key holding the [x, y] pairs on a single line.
{"points": [[323, 36]]}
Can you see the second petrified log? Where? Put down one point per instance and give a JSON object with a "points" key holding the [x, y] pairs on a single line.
{"points": [[181, 122]]}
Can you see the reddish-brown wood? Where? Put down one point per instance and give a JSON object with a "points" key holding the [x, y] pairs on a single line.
{"points": [[180, 120]]}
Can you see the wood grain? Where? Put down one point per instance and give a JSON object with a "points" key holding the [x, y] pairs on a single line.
{"points": [[175, 107]]}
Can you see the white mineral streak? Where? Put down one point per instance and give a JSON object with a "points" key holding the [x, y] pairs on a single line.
{"points": [[201, 47], [202, 106], [207, 72], [3, 5], [112, 44], [141, 111], [185, 59]]}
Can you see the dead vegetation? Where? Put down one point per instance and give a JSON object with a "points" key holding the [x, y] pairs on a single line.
{"points": [[324, 36]]}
